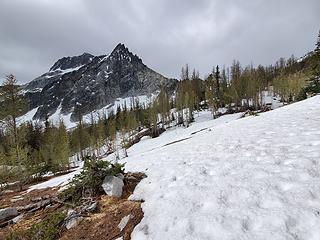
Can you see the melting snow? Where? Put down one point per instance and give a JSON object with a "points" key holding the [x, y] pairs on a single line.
{"points": [[230, 178], [251, 178], [57, 181]]}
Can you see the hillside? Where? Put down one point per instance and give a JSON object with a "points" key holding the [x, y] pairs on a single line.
{"points": [[255, 177], [249, 178]]}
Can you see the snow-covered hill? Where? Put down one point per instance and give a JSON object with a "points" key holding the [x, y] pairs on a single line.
{"points": [[251, 178], [231, 178]]}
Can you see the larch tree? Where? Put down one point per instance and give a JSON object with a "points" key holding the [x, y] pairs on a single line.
{"points": [[13, 105], [163, 104], [62, 146]]}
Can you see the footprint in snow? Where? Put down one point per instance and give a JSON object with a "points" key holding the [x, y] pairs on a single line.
{"points": [[245, 224]]}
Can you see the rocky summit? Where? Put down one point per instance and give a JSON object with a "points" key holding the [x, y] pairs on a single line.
{"points": [[86, 83]]}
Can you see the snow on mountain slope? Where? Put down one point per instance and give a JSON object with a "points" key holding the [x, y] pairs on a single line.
{"points": [[66, 118], [251, 178]]}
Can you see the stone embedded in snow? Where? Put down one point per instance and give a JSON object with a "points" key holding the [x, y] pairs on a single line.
{"points": [[8, 213], [124, 221], [112, 186]]}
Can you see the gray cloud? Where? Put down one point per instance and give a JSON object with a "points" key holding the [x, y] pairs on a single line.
{"points": [[165, 34]]}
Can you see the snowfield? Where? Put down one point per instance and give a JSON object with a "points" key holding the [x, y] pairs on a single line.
{"points": [[249, 178], [230, 178]]}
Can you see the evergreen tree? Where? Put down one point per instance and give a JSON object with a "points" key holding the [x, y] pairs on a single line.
{"points": [[217, 84], [318, 43], [313, 85], [47, 150], [316, 63]]}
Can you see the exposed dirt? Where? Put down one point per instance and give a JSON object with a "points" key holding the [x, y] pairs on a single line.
{"points": [[103, 224], [16, 199], [29, 220]]}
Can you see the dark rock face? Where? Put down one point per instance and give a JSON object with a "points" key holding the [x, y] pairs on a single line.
{"points": [[88, 82], [72, 62], [62, 66]]}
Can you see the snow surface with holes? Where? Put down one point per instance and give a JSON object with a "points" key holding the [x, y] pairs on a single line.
{"points": [[229, 178]]}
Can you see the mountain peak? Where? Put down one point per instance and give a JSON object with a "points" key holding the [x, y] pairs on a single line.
{"points": [[87, 54], [120, 46], [122, 53]]}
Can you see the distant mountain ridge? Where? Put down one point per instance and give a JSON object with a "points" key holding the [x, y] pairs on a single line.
{"points": [[90, 82]]}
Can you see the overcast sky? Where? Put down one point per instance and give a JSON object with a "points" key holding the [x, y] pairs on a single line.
{"points": [[166, 34]]}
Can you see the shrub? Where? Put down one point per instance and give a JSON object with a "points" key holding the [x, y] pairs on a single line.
{"points": [[88, 182]]}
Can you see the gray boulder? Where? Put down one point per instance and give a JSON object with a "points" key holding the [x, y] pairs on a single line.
{"points": [[8, 213], [112, 186]]}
